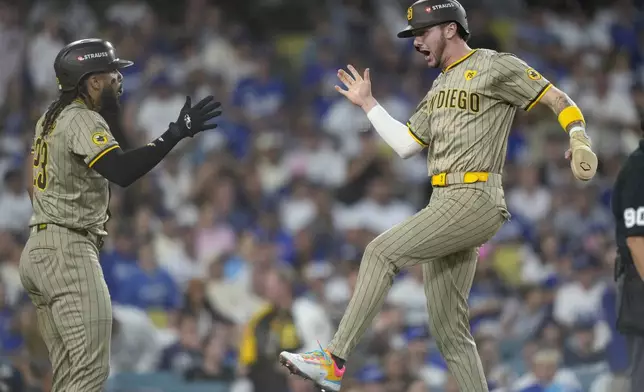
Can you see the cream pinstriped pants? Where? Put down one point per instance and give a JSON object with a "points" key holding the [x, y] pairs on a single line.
{"points": [[61, 273], [444, 237]]}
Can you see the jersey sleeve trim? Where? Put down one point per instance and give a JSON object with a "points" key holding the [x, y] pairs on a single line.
{"points": [[101, 154], [415, 137], [536, 100]]}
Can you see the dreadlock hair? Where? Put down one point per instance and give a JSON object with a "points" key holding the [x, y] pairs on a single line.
{"points": [[64, 99]]}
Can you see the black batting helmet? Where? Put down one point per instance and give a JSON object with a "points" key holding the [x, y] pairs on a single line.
{"points": [[81, 58], [424, 14]]}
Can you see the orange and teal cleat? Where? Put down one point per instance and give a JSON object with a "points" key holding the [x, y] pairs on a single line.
{"points": [[317, 366]]}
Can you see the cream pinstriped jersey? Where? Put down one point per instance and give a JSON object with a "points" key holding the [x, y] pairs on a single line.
{"points": [[67, 191], [465, 118]]}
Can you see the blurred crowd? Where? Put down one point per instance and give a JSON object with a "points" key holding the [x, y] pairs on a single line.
{"points": [[247, 241]]}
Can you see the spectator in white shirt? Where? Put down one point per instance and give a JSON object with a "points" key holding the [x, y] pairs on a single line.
{"points": [[42, 51], [408, 294], [582, 297], [271, 166], [299, 210], [538, 267], [345, 120], [11, 250], [522, 317], [172, 255], [232, 299], [318, 160], [128, 12], [15, 205], [12, 45], [80, 18], [176, 181], [310, 318], [379, 211], [135, 347], [529, 199], [608, 111], [577, 32], [574, 221], [159, 109]]}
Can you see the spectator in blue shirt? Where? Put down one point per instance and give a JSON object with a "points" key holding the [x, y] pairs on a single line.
{"points": [[151, 288], [119, 263], [372, 379], [617, 349], [579, 349], [547, 376], [261, 96], [185, 353], [10, 339], [486, 301]]}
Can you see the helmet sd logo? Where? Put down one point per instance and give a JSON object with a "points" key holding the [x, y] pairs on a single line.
{"points": [[470, 74], [410, 13], [532, 74], [187, 121], [99, 138]]}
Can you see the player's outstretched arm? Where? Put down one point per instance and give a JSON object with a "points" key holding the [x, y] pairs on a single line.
{"points": [[583, 159], [393, 132], [123, 168]]}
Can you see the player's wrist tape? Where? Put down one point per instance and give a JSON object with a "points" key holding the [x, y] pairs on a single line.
{"points": [[577, 128], [579, 138], [570, 115]]}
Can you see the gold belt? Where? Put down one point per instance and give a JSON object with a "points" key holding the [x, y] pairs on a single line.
{"points": [[445, 179]]}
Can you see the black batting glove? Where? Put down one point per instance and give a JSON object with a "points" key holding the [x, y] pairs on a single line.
{"points": [[193, 119]]}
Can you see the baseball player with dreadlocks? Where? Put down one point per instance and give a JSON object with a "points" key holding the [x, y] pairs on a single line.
{"points": [[464, 121], [75, 156]]}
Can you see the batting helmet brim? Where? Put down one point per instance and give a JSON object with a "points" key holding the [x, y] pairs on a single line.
{"points": [[410, 31], [118, 63]]}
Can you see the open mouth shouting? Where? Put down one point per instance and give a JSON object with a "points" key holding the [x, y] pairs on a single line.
{"points": [[428, 55]]}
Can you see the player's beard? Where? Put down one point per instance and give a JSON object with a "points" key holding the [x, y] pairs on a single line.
{"points": [[110, 110], [438, 53], [109, 101]]}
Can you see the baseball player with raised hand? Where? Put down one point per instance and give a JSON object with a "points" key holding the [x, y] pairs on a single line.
{"points": [[464, 121], [75, 156]]}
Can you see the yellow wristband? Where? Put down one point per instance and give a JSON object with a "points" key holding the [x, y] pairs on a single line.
{"points": [[570, 115]]}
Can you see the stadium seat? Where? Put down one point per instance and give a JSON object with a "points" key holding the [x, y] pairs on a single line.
{"points": [[204, 387], [152, 382], [161, 382]]}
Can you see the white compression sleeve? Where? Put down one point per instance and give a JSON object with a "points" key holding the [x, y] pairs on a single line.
{"points": [[393, 132]]}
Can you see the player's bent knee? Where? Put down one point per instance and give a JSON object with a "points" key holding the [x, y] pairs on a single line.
{"points": [[373, 250], [376, 252]]}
